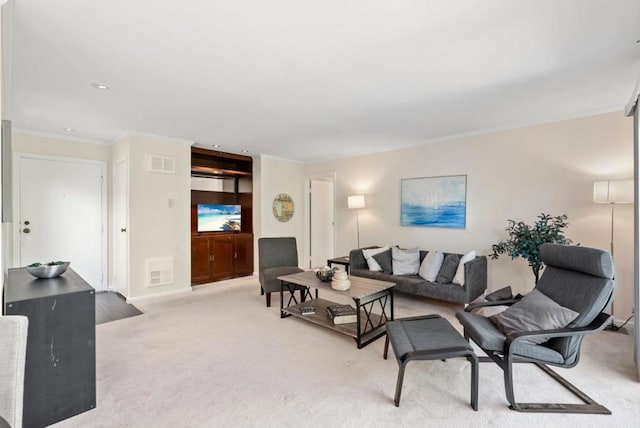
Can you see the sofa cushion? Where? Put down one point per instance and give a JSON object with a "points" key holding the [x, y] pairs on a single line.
{"points": [[448, 268], [459, 277], [371, 262], [385, 261], [406, 261], [535, 311], [431, 265]]}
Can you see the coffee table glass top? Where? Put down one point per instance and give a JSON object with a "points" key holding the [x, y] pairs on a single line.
{"points": [[360, 287]]}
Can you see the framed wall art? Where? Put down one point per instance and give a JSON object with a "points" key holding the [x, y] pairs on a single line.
{"points": [[283, 207], [434, 201]]}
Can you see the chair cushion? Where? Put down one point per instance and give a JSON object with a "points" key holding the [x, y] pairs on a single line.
{"points": [[504, 293], [483, 332], [535, 311], [587, 260], [269, 277]]}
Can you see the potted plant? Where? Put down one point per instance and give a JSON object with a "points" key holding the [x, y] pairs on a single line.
{"points": [[524, 240]]}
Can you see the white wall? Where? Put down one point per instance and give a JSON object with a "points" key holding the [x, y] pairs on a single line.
{"points": [[514, 174]]}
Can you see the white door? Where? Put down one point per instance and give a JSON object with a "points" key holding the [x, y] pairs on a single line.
{"points": [[321, 221], [61, 216], [120, 223]]}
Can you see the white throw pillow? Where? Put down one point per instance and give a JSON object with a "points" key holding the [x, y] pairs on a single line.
{"points": [[368, 255], [459, 278], [406, 261], [431, 265]]}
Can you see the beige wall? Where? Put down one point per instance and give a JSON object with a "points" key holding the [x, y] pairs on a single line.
{"points": [[275, 176], [514, 174], [27, 142], [159, 214], [155, 229]]}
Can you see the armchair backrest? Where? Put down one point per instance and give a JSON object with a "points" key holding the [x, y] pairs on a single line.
{"points": [[277, 252], [578, 278]]}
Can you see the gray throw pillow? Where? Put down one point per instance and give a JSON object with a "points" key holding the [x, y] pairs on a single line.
{"points": [[534, 312], [448, 269], [405, 261], [502, 294], [385, 261]]}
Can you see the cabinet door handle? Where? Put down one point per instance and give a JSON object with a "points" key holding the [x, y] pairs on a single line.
{"points": [[236, 255]]}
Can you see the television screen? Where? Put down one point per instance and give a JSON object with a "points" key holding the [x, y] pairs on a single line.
{"points": [[219, 218]]}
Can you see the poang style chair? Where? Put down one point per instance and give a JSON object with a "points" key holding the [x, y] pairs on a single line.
{"points": [[277, 257], [576, 278]]}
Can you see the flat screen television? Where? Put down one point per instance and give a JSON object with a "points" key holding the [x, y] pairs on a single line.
{"points": [[219, 218]]}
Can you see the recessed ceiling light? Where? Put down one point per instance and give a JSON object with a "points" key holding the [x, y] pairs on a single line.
{"points": [[68, 129], [245, 151], [216, 146], [100, 86]]}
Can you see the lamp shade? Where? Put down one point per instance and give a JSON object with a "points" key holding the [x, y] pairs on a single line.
{"points": [[355, 201], [613, 192]]}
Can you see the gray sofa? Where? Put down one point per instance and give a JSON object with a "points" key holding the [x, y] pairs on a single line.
{"points": [[475, 279]]}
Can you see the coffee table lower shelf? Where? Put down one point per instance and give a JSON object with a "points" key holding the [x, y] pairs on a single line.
{"points": [[350, 329]]}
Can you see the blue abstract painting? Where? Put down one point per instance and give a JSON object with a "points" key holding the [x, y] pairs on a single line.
{"points": [[434, 202]]}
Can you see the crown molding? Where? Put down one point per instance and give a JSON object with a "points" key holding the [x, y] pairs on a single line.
{"points": [[155, 136], [59, 137]]}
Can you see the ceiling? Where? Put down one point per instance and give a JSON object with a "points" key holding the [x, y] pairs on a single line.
{"points": [[317, 80]]}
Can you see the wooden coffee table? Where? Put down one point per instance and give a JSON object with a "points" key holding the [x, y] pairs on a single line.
{"points": [[366, 293]]}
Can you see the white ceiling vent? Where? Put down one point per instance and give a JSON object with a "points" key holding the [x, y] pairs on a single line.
{"points": [[159, 271], [160, 163]]}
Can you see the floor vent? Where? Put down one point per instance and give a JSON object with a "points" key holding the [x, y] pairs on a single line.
{"points": [[160, 163], [159, 272]]}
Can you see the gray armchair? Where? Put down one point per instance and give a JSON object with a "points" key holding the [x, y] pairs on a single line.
{"points": [[576, 278], [276, 257], [13, 347]]}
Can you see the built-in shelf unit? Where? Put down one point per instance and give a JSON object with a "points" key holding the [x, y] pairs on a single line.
{"points": [[222, 179]]}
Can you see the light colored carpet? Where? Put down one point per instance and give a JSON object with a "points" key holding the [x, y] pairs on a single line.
{"points": [[217, 357]]}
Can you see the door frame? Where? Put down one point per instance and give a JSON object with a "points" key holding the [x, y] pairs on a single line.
{"points": [[17, 159], [307, 213], [115, 229]]}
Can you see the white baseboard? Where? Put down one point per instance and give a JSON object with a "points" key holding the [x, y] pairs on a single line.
{"points": [[156, 295]]}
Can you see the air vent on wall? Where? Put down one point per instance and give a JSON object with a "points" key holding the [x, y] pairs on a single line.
{"points": [[159, 271], [160, 163]]}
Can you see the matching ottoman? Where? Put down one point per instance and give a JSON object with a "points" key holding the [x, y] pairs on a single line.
{"points": [[429, 337]]}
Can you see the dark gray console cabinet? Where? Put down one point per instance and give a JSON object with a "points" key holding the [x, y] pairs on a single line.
{"points": [[60, 371]]}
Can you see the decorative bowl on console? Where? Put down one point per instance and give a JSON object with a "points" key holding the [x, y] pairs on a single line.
{"points": [[325, 274], [47, 270]]}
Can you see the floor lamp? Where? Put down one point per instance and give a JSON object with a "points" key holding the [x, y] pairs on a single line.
{"points": [[355, 202], [613, 192]]}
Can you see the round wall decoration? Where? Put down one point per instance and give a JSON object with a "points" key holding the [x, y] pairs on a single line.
{"points": [[283, 207]]}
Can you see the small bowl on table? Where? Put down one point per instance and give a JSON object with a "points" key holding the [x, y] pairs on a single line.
{"points": [[48, 270], [325, 274]]}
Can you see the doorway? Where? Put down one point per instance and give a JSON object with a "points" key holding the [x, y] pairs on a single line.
{"points": [[61, 214], [321, 236]]}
